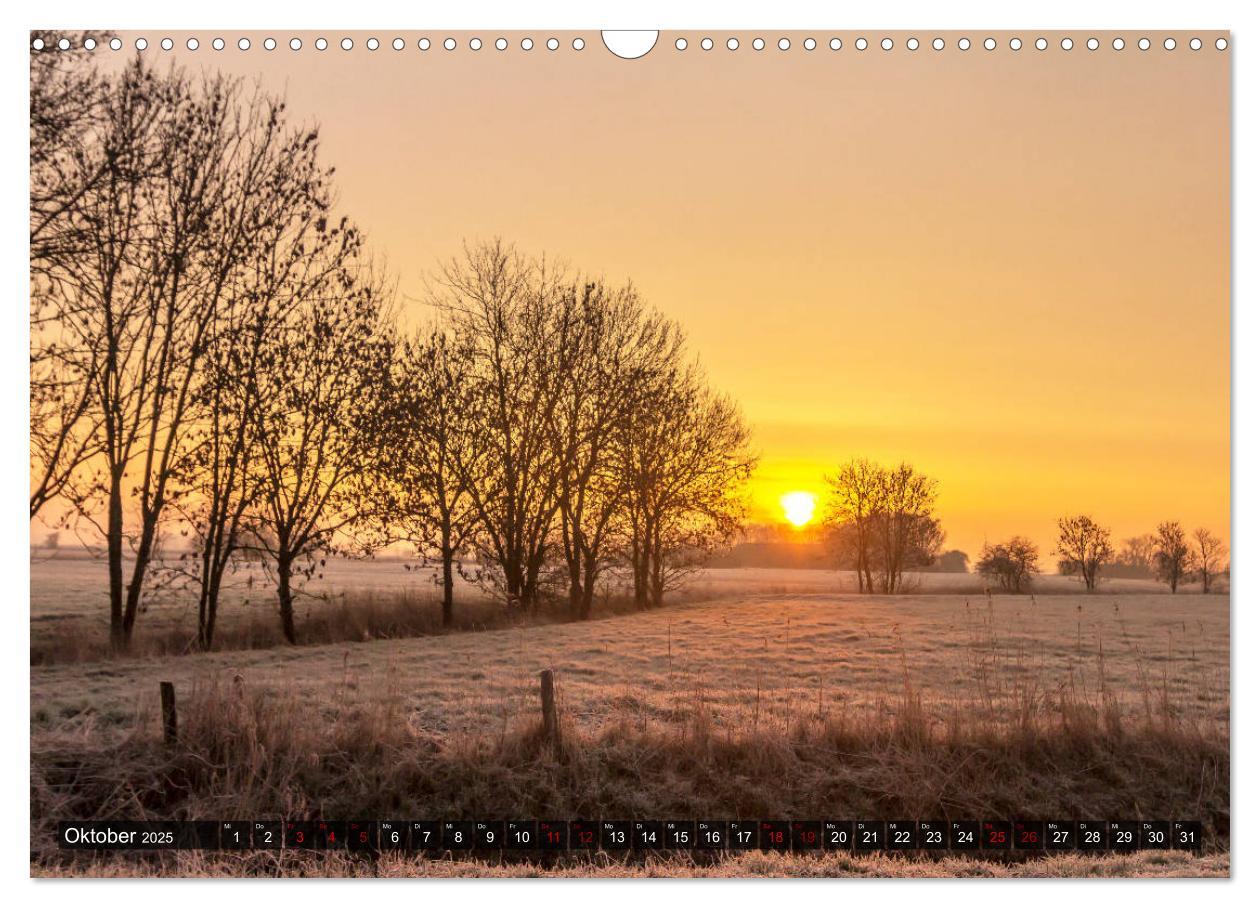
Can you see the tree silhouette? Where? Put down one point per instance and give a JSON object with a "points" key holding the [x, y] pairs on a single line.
{"points": [[880, 520], [1172, 554], [1011, 563], [623, 349], [318, 422], [520, 333], [190, 174], [1084, 546], [685, 461], [424, 496], [1206, 555]]}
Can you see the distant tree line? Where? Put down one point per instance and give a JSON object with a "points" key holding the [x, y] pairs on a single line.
{"points": [[1085, 549], [214, 352], [880, 522]]}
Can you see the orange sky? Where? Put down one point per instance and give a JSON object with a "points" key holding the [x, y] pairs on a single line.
{"points": [[1009, 268]]}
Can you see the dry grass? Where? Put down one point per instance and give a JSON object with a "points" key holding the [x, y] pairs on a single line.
{"points": [[752, 865], [340, 618], [802, 707], [246, 753]]}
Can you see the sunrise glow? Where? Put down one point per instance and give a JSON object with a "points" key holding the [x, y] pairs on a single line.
{"points": [[798, 508]]}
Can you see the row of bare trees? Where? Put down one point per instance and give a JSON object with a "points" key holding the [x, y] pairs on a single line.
{"points": [[179, 236], [1170, 554], [552, 425], [214, 351]]}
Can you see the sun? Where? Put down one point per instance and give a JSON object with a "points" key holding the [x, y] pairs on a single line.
{"points": [[798, 507]]}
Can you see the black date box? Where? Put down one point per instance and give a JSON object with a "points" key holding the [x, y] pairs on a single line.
{"points": [[518, 834], [870, 835], [679, 834], [392, 835], [1060, 835], [553, 835], [995, 835], [266, 834], [1030, 835], [711, 834], [933, 834], [807, 835], [774, 835], [298, 834], [1155, 834], [964, 835], [647, 834], [900, 835], [742, 835], [457, 835], [361, 836], [424, 835], [488, 834], [330, 835], [837, 835], [1187, 835], [1123, 835], [1091, 835], [615, 835], [202, 835], [234, 835], [584, 834]]}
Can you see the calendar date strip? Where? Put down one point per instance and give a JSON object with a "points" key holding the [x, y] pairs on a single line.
{"points": [[451, 837]]}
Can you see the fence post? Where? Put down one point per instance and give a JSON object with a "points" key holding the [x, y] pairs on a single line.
{"points": [[551, 723], [170, 722]]}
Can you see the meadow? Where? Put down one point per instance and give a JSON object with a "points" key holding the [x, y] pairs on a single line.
{"points": [[753, 693]]}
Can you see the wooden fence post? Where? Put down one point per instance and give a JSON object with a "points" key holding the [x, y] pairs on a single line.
{"points": [[170, 722], [551, 722]]}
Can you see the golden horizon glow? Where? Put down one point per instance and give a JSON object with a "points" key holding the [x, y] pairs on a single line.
{"points": [[1009, 270], [798, 508]]}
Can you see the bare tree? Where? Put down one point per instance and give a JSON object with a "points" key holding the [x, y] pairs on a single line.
{"points": [[318, 423], [624, 348], [66, 116], [1206, 556], [424, 497], [1172, 553], [584, 429], [193, 171], [909, 534], [522, 332], [880, 521], [854, 500], [1084, 546], [686, 461], [296, 251], [65, 431], [67, 160], [1012, 563], [124, 296]]}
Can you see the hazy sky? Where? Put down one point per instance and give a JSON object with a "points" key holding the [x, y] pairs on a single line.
{"points": [[1008, 268]]}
